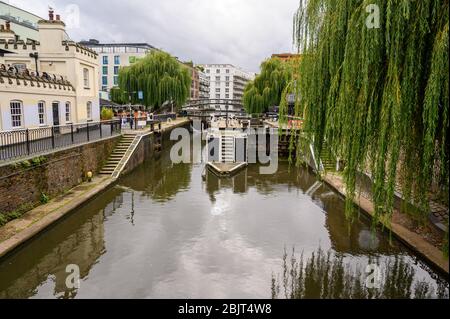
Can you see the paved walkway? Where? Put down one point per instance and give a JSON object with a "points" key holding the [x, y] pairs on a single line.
{"points": [[32, 223], [45, 144]]}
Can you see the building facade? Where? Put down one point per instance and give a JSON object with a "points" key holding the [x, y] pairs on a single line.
{"points": [[204, 86], [50, 81], [24, 23], [113, 56], [227, 82]]}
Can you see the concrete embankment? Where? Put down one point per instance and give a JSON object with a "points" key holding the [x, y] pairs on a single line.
{"points": [[414, 241], [19, 231]]}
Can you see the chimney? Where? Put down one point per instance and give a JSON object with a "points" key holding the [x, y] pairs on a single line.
{"points": [[8, 26], [50, 14], [2, 28], [58, 17]]}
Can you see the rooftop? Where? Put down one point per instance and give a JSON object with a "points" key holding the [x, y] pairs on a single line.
{"points": [[96, 43]]}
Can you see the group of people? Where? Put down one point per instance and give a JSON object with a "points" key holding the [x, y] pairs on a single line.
{"points": [[133, 116]]}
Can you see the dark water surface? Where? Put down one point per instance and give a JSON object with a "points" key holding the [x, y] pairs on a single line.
{"points": [[165, 232]]}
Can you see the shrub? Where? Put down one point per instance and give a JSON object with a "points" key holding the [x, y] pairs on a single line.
{"points": [[44, 199], [107, 114]]}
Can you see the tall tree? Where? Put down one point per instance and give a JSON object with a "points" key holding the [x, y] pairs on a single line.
{"points": [[267, 88], [374, 83], [159, 76]]}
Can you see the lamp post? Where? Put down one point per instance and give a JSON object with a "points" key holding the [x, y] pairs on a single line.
{"points": [[35, 56]]}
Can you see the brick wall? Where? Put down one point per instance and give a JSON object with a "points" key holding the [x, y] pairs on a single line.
{"points": [[23, 182]]}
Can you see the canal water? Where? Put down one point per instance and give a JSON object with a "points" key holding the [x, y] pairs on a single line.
{"points": [[177, 231]]}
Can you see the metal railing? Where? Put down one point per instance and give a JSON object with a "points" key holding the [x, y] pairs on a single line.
{"points": [[25, 142]]}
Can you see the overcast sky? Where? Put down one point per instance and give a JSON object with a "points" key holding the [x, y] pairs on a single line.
{"points": [[240, 32]]}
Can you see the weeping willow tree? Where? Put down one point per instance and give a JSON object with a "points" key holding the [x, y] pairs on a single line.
{"points": [[267, 88], [159, 76], [374, 83]]}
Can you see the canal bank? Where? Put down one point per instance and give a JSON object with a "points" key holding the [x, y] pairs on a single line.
{"points": [[164, 231], [19, 231]]}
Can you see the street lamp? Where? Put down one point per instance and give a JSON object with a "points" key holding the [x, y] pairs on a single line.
{"points": [[35, 56]]}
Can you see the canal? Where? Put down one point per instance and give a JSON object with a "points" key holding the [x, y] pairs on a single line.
{"points": [[170, 231]]}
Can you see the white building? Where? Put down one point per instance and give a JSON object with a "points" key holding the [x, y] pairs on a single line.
{"points": [[52, 81], [227, 82], [113, 56], [24, 23]]}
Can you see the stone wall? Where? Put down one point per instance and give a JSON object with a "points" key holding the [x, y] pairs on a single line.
{"points": [[23, 182]]}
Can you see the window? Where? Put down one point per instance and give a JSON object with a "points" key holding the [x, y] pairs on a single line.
{"points": [[217, 78], [218, 71], [105, 80], [227, 96], [208, 71], [117, 60], [105, 59], [41, 113], [227, 71], [21, 67], [105, 70], [208, 78], [116, 70], [227, 90], [116, 80], [104, 88], [16, 114], [227, 84], [227, 78], [86, 78], [68, 115], [217, 96], [89, 110], [217, 90]]}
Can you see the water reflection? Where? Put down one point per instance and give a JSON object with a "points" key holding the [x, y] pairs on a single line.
{"points": [[326, 275], [166, 232]]}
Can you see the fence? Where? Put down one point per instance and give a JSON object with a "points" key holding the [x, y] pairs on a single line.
{"points": [[25, 142]]}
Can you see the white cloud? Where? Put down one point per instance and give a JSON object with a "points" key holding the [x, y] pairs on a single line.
{"points": [[241, 32]]}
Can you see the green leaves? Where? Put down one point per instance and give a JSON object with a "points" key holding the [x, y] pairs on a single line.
{"points": [[379, 97], [159, 76], [266, 90]]}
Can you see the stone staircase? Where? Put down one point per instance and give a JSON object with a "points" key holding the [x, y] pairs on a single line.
{"points": [[118, 154], [327, 159]]}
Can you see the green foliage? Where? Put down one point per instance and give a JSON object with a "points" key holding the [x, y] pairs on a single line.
{"points": [[379, 97], [106, 114], [7, 217], [44, 198], [159, 76], [266, 90]]}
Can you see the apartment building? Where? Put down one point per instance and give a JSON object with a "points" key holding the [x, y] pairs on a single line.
{"points": [[113, 56], [227, 82], [204, 86], [49, 81]]}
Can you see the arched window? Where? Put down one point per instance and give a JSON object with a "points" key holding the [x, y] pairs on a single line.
{"points": [[89, 111], [68, 112], [41, 113], [16, 114]]}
